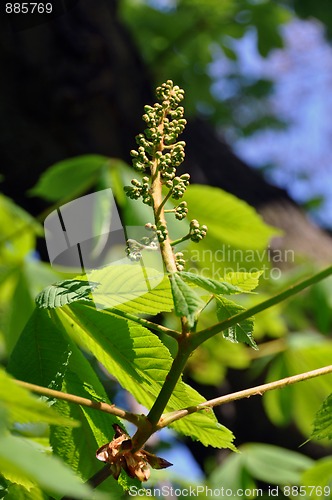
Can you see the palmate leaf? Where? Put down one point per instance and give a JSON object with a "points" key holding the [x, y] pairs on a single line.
{"points": [[65, 292], [323, 421], [186, 301], [240, 332], [140, 362]]}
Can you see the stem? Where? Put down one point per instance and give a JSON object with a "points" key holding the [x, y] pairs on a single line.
{"points": [[259, 390], [163, 203], [180, 240], [207, 333], [71, 398], [167, 389]]}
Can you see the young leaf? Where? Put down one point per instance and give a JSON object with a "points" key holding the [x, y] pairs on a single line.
{"points": [[241, 332], [323, 421], [211, 285], [65, 292], [186, 302], [245, 281], [132, 289]]}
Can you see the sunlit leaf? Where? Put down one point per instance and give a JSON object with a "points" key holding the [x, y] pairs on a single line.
{"points": [[240, 332], [323, 420], [140, 362], [65, 292], [186, 301], [211, 285], [62, 180]]}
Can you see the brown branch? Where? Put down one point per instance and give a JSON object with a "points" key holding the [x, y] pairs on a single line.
{"points": [[259, 390], [89, 403]]}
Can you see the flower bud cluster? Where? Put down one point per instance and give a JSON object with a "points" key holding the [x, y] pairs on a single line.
{"points": [[197, 232], [181, 210], [139, 189], [179, 261], [178, 185], [161, 231]]}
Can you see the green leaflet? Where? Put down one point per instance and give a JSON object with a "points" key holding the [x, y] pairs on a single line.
{"points": [[323, 420], [304, 352], [61, 180], [268, 463], [241, 226], [18, 492], [140, 362], [21, 406], [244, 280], [61, 365], [241, 332], [186, 302], [132, 289], [211, 285], [318, 479], [41, 355], [20, 457], [65, 292]]}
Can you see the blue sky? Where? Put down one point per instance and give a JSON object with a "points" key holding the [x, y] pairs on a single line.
{"points": [[301, 154]]}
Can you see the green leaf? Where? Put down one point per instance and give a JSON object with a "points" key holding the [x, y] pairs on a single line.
{"points": [[18, 492], [19, 456], [140, 362], [65, 292], [241, 332], [40, 356], [45, 355], [211, 285], [323, 420], [23, 407], [61, 180], [305, 351], [257, 461], [245, 281], [273, 464], [132, 289], [318, 479], [18, 231], [186, 302], [229, 220]]}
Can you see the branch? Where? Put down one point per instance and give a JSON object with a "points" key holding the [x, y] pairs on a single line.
{"points": [[259, 390], [207, 333], [71, 398]]}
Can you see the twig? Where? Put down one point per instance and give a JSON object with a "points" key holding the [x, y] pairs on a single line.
{"points": [[71, 398], [259, 390], [203, 335]]}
